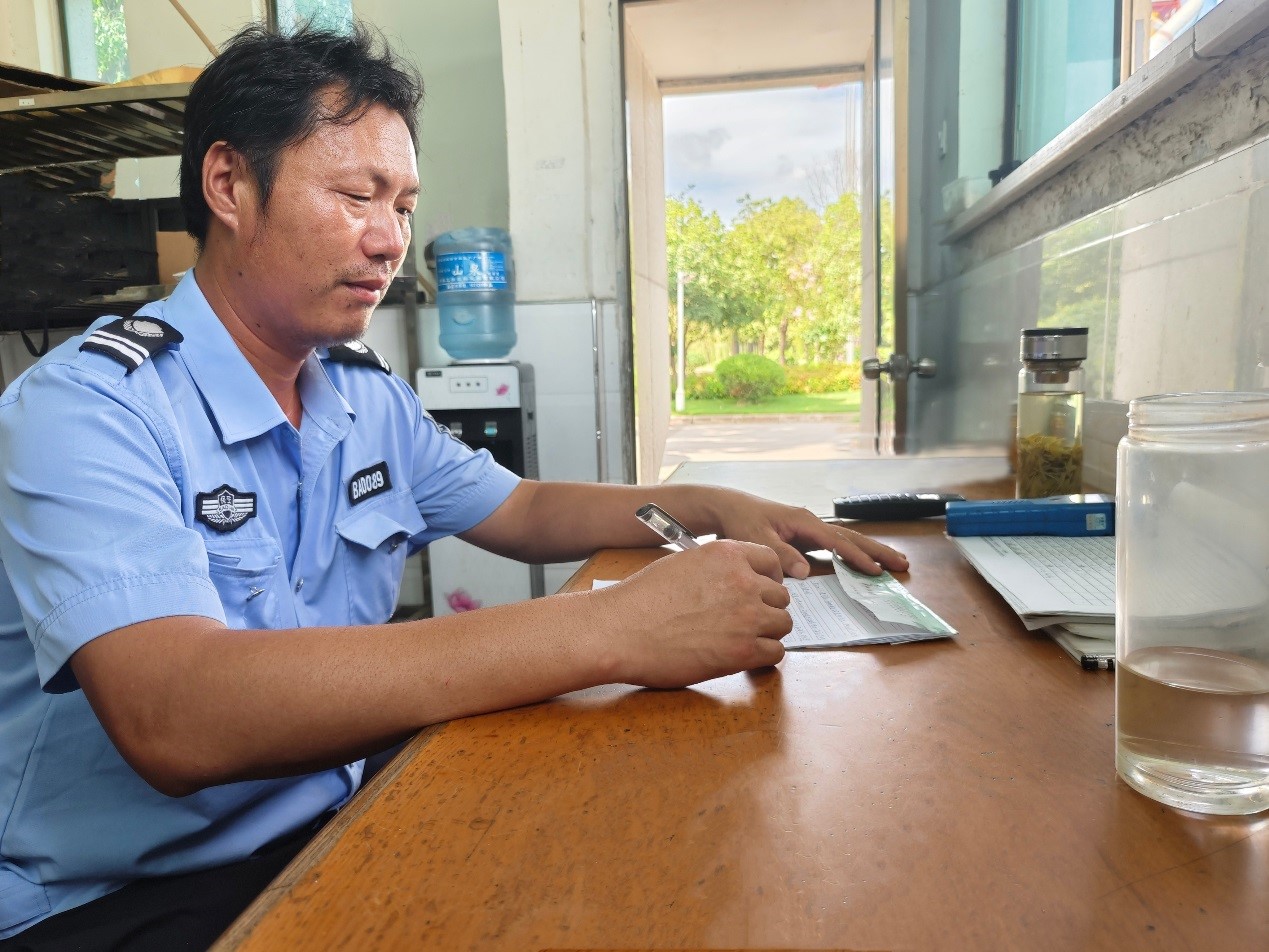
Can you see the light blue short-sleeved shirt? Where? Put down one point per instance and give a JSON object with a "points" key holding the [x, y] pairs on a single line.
{"points": [[181, 489]]}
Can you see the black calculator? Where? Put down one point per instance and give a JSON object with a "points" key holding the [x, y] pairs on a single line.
{"points": [[893, 507]]}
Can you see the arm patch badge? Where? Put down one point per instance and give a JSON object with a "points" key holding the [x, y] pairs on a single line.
{"points": [[355, 352], [132, 340], [224, 509]]}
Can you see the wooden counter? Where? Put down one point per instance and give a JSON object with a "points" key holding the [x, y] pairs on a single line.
{"points": [[956, 794]]}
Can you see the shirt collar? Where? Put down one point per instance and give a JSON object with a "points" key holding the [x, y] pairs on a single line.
{"points": [[236, 397], [323, 403]]}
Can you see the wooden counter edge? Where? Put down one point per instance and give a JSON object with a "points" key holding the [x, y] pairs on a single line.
{"points": [[323, 842], [624, 561], [330, 835]]}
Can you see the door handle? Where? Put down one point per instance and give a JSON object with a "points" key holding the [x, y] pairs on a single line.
{"points": [[899, 367]]}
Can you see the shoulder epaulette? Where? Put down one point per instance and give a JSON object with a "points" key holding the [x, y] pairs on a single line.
{"points": [[355, 352], [132, 340]]}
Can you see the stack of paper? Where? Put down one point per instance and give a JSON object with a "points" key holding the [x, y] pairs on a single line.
{"points": [[1048, 580], [1067, 585], [1091, 645], [849, 608], [1064, 585]]}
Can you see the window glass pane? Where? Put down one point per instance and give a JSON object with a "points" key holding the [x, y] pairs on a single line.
{"points": [[1068, 60], [327, 14], [96, 40]]}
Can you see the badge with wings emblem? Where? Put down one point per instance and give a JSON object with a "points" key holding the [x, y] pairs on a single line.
{"points": [[224, 508]]}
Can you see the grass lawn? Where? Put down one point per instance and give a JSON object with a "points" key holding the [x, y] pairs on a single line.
{"points": [[844, 402]]}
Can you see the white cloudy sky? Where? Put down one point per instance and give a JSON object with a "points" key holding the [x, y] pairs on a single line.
{"points": [[767, 143]]}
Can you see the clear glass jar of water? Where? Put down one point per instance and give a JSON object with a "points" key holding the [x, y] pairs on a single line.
{"points": [[1192, 601]]}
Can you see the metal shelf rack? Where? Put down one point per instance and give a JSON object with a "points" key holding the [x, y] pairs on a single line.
{"points": [[68, 140]]}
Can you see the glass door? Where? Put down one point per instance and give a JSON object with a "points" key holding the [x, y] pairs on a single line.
{"points": [[884, 400], [891, 366]]}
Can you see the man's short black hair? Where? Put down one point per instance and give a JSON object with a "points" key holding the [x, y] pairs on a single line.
{"points": [[263, 93]]}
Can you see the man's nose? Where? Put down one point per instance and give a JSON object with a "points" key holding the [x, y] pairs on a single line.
{"points": [[387, 235]]}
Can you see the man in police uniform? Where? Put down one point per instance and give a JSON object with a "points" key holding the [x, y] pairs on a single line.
{"points": [[204, 514]]}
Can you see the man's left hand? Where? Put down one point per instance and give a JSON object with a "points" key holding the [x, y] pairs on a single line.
{"points": [[790, 531]]}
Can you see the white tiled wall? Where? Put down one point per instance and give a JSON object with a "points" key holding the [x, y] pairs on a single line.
{"points": [[1170, 282], [583, 419]]}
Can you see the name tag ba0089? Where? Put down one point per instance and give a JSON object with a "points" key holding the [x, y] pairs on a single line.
{"points": [[369, 482]]}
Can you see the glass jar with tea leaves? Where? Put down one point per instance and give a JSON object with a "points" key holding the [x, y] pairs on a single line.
{"points": [[1051, 412]]}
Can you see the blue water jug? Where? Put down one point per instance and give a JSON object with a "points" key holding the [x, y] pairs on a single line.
{"points": [[476, 293]]}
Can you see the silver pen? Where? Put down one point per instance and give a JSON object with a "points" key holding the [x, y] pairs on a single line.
{"points": [[666, 526]]}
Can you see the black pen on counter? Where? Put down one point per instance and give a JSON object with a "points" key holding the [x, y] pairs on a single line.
{"points": [[666, 526]]}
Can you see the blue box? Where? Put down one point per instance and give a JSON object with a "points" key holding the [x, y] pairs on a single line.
{"points": [[1087, 514]]}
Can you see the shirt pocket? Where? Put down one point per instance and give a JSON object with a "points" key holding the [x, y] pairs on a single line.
{"points": [[245, 573], [375, 546]]}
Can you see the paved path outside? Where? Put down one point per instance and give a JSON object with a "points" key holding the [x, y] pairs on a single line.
{"points": [[775, 436]]}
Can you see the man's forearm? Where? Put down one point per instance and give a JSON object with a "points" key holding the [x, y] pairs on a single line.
{"points": [[561, 522], [190, 703]]}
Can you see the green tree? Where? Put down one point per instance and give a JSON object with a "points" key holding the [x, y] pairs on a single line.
{"points": [[837, 259], [110, 39], [696, 245], [781, 273], [774, 244], [885, 265]]}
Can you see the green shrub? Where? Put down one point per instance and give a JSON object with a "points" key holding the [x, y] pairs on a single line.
{"points": [[823, 378], [696, 359], [703, 387], [750, 377]]}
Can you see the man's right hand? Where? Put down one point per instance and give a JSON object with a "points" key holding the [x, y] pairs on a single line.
{"points": [[184, 698], [699, 614]]}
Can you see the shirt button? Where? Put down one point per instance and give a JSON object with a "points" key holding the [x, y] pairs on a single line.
{"points": [[299, 584]]}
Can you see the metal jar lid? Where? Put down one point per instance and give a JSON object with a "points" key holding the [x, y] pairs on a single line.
{"points": [[1055, 343]]}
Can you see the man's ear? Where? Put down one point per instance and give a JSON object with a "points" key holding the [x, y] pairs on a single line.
{"points": [[228, 187]]}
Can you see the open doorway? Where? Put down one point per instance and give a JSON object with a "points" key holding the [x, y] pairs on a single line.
{"points": [[764, 237], [748, 153]]}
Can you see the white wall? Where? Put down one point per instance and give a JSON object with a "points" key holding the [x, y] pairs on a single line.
{"points": [[457, 49], [159, 37], [561, 72], [29, 36], [648, 259]]}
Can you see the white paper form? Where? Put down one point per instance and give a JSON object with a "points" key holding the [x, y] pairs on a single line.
{"points": [[1048, 579], [887, 599], [825, 616]]}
